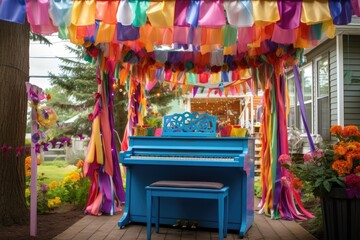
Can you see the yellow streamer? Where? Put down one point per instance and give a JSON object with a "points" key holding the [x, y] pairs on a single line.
{"points": [[96, 145], [265, 12], [83, 13], [105, 33], [315, 12], [73, 36], [161, 14]]}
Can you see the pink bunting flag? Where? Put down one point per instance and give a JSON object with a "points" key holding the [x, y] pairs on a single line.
{"points": [[209, 9], [232, 90], [150, 84], [38, 17]]}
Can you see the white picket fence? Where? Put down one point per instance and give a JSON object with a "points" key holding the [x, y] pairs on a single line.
{"points": [[68, 153]]}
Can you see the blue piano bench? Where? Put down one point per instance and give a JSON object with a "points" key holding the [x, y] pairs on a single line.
{"points": [[187, 189]]}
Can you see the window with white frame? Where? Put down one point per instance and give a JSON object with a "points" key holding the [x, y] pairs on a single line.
{"points": [[322, 97]]}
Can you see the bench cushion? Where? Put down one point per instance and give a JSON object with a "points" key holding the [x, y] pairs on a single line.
{"points": [[188, 184]]}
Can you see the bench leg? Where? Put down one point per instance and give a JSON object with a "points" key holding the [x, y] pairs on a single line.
{"points": [[221, 215], [157, 217], [148, 214], [226, 215]]}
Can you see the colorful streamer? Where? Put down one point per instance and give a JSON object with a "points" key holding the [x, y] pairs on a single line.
{"points": [[302, 107], [279, 199], [265, 20], [102, 163]]}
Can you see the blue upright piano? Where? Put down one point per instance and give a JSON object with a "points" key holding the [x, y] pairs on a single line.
{"points": [[190, 157]]}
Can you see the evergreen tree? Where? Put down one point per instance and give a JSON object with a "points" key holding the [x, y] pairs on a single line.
{"points": [[73, 90], [77, 81]]}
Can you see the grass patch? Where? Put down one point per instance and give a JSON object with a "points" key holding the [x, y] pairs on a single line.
{"points": [[54, 170]]}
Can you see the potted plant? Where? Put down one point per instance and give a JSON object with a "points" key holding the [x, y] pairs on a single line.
{"points": [[334, 175], [153, 122]]}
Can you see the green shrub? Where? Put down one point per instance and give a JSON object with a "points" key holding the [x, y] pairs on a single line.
{"points": [[257, 188]]}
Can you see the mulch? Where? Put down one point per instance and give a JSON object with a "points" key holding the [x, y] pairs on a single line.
{"points": [[48, 226]]}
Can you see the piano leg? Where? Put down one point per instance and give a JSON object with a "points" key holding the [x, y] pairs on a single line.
{"points": [[243, 205], [125, 219], [247, 196]]}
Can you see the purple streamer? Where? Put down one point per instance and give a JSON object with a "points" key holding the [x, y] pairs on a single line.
{"points": [[302, 106], [105, 189], [117, 179], [290, 12], [127, 33], [174, 57], [341, 11], [192, 16], [13, 11], [284, 207]]}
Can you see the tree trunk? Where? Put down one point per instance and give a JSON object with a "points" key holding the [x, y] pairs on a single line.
{"points": [[14, 72]]}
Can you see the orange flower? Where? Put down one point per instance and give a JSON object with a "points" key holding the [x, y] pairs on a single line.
{"points": [[342, 167], [351, 146], [349, 158], [297, 183], [350, 130], [357, 169], [336, 129], [339, 149], [80, 164]]}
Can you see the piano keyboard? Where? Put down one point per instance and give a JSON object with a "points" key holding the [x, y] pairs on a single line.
{"points": [[183, 158]]}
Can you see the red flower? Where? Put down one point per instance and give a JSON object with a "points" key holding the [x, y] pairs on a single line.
{"points": [[284, 159], [352, 181], [91, 117]]}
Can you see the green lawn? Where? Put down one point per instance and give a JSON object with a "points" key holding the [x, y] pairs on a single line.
{"points": [[54, 170]]}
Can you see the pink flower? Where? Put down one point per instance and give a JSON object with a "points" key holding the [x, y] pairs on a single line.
{"points": [[352, 181], [318, 153], [307, 157], [43, 187], [284, 159]]}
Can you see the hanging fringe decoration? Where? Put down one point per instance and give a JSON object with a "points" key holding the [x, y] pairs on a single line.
{"points": [[280, 199], [102, 163]]}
